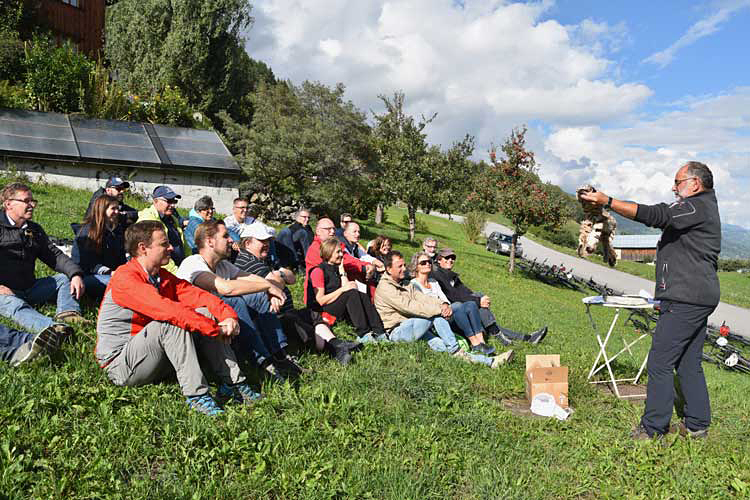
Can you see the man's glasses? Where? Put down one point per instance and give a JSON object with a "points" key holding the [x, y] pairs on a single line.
{"points": [[328, 228], [28, 201], [677, 182], [241, 208], [172, 201], [450, 257], [425, 263]]}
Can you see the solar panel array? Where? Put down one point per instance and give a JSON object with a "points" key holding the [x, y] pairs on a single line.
{"points": [[73, 137]]}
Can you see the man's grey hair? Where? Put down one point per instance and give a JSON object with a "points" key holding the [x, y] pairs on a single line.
{"points": [[702, 172], [203, 203], [429, 239], [300, 210]]}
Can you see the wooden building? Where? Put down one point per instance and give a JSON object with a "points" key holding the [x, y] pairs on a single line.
{"points": [[636, 247], [80, 21]]}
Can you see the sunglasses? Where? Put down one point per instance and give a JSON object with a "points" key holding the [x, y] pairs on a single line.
{"points": [[450, 257], [425, 262]]}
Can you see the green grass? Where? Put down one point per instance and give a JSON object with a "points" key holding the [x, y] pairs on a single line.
{"points": [[735, 287], [401, 422]]}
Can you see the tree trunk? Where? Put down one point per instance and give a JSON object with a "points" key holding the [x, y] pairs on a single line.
{"points": [[412, 221], [379, 214], [512, 260]]}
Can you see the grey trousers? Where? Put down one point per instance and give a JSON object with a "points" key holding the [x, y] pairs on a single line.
{"points": [[161, 349]]}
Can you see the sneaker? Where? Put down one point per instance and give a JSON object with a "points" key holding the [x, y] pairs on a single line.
{"points": [[204, 404], [639, 433], [463, 355], [501, 337], [238, 393], [64, 332], [273, 372], [72, 317], [46, 340], [502, 359], [685, 432], [483, 348], [537, 336]]}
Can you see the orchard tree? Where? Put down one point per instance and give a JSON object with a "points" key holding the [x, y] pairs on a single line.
{"points": [[519, 193]]}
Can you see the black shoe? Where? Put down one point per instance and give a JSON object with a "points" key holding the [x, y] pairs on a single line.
{"points": [[500, 336], [639, 433], [339, 351], [483, 348], [352, 346], [537, 336]]}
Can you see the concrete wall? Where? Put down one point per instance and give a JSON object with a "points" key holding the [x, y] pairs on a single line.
{"points": [[191, 185]]}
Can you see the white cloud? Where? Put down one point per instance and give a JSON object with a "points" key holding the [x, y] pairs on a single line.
{"points": [[700, 29]]}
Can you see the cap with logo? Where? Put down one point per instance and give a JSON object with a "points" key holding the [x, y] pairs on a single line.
{"points": [[165, 192], [115, 181]]}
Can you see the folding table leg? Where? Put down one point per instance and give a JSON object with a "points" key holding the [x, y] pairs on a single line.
{"points": [[606, 340]]}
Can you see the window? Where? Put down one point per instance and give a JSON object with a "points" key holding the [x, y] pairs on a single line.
{"points": [[72, 3]]}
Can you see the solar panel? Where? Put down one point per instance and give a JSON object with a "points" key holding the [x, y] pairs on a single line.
{"points": [[32, 132]]}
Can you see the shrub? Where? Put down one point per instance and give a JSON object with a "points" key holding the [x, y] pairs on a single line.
{"points": [[13, 96], [57, 78], [11, 56], [473, 225], [732, 265], [561, 237]]}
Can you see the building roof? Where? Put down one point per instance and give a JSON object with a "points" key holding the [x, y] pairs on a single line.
{"points": [[636, 240], [75, 138]]}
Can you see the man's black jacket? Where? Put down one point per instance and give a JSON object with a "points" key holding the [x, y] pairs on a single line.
{"points": [[688, 251], [19, 249], [452, 285]]}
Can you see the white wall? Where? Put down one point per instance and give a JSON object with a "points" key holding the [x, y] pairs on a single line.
{"points": [[191, 185]]}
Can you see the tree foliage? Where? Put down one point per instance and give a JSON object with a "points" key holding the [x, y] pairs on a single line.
{"points": [[306, 145], [195, 45]]}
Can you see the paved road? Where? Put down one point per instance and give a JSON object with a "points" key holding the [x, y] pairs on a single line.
{"points": [[737, 318]]}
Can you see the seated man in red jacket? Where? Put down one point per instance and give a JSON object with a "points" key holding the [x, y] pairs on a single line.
{"points": [[355, 268], [148, 326]]}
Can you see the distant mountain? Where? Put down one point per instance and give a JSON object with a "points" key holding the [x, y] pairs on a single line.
{"points": [[735, 240]]}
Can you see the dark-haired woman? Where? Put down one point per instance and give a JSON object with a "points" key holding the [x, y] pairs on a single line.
{"points": [[338, 297], [99, 247]]}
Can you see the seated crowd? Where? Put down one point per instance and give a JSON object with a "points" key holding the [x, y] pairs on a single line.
{"points": [[173, 290]]}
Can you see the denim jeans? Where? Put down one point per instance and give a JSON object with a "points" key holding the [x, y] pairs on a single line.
{"points": [[11, 340], [261, 333], [96, 284], [18, 306], [466, 316], [414, 329]]}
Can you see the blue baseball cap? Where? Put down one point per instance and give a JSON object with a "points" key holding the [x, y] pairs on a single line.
{"points": [[165, 192], [115, 181]]}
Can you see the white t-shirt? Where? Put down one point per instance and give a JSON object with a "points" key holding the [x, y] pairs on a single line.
{"points": [[433, 291], [194, 265]]}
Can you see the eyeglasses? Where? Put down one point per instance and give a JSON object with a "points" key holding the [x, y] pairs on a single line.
{"points": [[450, 257], [241, 208], [425, 263], [28, 201], [327, 228], [172, 201], [430, 246], [677, 182]]}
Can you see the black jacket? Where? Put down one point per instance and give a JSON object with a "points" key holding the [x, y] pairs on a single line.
{"points": [[688, 251], [112, 255], [19, 249], [128, 214], [452, 286]]}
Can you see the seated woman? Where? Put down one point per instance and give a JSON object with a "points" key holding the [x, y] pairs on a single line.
{"points": [[465, 314], [336, 296], [99, 247], [378, 249], [203, 210]]}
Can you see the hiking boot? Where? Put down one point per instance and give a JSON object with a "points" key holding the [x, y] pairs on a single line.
{"points": [[339, 351], [685, 432], [502, 359], [537, 336], [204, 404], [63, 332], [288, 364], [483, 348], [46, 340], [73, 317], [238, 393], [639, 433]]}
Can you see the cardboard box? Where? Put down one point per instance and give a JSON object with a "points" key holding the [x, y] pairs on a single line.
{"points": [[544, 374]]}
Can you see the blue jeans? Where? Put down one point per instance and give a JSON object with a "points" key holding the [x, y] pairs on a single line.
{"points": [[466, 316], [414, 329], [261, 340], [96, 284], [18, 306], [11, 340]]}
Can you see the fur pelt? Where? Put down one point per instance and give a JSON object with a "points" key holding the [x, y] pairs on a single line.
{"points": [[598, 226]]}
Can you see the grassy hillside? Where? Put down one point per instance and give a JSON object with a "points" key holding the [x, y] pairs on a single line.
{"points": [[401, 422]]}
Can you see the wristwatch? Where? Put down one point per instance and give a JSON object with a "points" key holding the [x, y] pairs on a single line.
{"points": [[608, 206]]}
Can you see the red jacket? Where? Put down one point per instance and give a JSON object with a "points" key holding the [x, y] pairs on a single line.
{"points": [[131, 302], [352, 265]]}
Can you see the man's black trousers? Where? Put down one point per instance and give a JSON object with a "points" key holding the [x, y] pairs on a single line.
{"points": [[677, 344]]}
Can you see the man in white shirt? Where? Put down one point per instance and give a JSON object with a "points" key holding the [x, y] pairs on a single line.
{"points": [[254, 299]]}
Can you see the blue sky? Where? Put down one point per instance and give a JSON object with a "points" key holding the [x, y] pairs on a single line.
{"points": [[616, 94]]}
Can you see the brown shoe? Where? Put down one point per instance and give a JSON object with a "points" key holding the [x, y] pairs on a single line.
{"points": [[685, 432], [73, 317], [639, 433]]}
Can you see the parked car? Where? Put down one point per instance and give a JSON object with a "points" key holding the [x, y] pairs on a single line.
{"points": [[501, 243]]}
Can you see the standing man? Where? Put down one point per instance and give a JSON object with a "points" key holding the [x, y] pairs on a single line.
{"points": [[116, 188], [152, 324], [163, 210], [688, 288], [22, 242]]}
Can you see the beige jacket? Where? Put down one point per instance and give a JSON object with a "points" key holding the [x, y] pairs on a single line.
{"points": [[396, 303]]}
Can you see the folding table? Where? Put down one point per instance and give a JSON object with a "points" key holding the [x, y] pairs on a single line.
{"points": [[617, 303]]}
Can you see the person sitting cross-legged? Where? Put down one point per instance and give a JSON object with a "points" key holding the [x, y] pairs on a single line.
{"points": [[254, 299], [22, 242], [99, 247], [455, 290], [19, 347], [338, 297], [465, 314], [309, 324], [409, 315], [152, 324]]}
